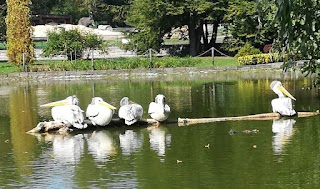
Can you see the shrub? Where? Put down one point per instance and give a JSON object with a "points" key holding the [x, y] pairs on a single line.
{"points": [[71, 42], [259, 59], [19, 39], [247, 49]]}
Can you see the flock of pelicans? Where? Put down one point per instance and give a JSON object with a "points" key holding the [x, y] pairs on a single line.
{"points": [[100, 113]]}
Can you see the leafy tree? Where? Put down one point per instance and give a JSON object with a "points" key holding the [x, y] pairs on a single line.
{"points": [[300, 31], [148, 16], [3, 13], [112, 12], [74, 8], [249, 22], [19, 31], [196, 13], [71, 43], [42, 6], [154, 18]]}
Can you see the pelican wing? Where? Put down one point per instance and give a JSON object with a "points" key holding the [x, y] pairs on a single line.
{"points": [[131, 113], [167, 108], [71, 114], [159, 112], [283, 106], [137, 111], [153, 107], [99, 115], [92, 111]]}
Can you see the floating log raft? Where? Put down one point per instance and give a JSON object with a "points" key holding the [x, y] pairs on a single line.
{"points": [[62, 128], [265, 116]]}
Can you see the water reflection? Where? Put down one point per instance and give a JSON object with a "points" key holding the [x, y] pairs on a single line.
{"points": [[283, 131], [159, 139], [68, 149], [101, 145], [65, 153], [130, 142]]}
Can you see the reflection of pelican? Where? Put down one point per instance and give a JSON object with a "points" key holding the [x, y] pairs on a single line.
{"points": [[101, 145], [283, 130], [100, 112], [131, 112], [158, 109], [130, 142], [158, 140], [68, 111], [68, 149], [282, 105]]}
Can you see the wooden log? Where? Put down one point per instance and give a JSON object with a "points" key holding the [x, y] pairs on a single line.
{"points": [[44, 127], [264, 116], [62, 128]]}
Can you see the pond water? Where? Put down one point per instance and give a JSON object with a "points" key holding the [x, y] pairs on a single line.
{"points": [[283, 154]]}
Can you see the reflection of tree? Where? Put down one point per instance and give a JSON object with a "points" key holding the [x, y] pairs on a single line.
{"points": [[22, 118], [283, 130]]}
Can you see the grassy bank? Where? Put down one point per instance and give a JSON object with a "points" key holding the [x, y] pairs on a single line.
{"points": [[123, 63]]}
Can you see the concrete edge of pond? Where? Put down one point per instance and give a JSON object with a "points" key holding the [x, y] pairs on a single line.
{"points": [[130, 73]]}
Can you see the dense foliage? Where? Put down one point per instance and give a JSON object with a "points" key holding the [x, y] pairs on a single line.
{"points": [[299, 32], [247, 49], [19, 31], [290, 26], [71, 43], [250, 22], [119, 63], [259, 59], [3, 13], [153, 19]]}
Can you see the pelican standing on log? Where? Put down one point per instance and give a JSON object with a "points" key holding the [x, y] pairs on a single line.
{"points": [[67, 111], [159, 110], [99, 112], [130, 111], [282, 104]]}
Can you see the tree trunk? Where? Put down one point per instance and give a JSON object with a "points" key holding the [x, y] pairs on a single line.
{"points": [[194, 35], [214, 34], [205, 36]]}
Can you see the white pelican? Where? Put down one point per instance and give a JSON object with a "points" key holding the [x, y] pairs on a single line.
{"points": [[67, 111], [283, 104], [158, 109], [100, 112], [131, 112]]}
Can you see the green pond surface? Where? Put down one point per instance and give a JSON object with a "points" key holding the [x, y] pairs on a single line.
{"points": [[282, 154]]}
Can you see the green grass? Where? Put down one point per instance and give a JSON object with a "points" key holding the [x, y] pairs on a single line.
{"points": [[8, 68], [218, 62], [123, 63]]}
